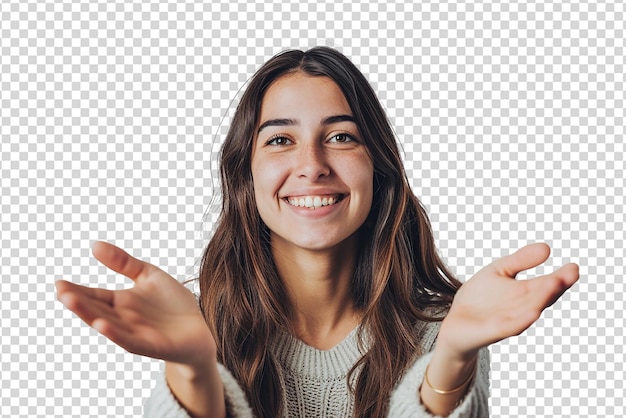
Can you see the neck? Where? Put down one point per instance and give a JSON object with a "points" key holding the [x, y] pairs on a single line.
{"points": [[318, 287]]}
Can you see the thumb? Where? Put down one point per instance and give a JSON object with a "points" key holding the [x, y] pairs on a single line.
{"points": [[120, 261]]}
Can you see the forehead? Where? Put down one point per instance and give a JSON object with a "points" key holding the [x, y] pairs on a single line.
{"points": [[294, 94]]}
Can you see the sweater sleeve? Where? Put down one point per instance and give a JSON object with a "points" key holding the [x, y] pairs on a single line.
{"points": [[405, 400], [163, 404]]}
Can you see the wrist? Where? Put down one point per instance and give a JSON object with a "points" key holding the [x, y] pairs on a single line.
{"points": [[191, 373], [447, 379], [199, 390], [452, 356], [447, 369], [451, 348], [451, 390]]}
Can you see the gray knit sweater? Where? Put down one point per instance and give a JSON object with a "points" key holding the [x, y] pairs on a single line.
{"points": [[315, 384]]}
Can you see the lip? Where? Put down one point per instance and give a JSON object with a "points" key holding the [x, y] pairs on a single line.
{"points": [[317, 212], [313, 192]]}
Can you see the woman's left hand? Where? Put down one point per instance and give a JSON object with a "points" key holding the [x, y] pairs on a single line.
{"points": [[492, 305]]}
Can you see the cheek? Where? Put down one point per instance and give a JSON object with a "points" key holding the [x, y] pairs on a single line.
{"points": [[362, 172], [368, 179], [257, 178], [266, 178]]}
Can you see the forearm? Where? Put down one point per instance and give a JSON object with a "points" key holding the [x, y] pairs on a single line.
{"points": [[200, 392], [446, 382]]}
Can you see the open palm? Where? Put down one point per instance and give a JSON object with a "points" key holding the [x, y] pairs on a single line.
{"points": [[158, 317], [492, 305]]}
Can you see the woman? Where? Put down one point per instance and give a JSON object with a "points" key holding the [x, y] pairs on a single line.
{"points": [[321, 291]]}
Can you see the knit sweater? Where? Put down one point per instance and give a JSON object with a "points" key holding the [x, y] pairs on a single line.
{"points": [[314, 383]]}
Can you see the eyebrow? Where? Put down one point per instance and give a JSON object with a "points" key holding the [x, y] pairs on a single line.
{"points": [[290, 122]]}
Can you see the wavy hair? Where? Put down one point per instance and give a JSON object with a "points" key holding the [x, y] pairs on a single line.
{"points": [[398, 278]]}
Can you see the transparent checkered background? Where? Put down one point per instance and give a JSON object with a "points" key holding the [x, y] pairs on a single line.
{"points": [[511, 118]]}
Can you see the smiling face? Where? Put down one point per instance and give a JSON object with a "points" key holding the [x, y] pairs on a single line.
{"points": [[313, 177]]}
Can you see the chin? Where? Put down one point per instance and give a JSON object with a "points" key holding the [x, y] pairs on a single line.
{"points": [[316, 245], [334, 243]]}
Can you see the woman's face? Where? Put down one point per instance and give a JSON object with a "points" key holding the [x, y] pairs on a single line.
{"points": [[313, 177]]}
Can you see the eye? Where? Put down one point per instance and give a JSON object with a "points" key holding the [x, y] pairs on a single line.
{"points": [[342, 138], [278, 140]]}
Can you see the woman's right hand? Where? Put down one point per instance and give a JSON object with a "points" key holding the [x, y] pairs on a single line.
{"points": [[158, 317]]}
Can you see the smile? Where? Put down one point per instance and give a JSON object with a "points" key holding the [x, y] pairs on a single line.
{"points": [[314, 202]]}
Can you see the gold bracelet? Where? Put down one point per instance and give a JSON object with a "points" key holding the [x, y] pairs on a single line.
{"points": [[447, 392]]}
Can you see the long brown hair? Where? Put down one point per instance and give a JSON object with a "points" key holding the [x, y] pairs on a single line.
{"points": [[397, 276]]}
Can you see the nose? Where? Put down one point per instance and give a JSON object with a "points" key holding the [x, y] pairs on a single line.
{"points": [[311, 162]]}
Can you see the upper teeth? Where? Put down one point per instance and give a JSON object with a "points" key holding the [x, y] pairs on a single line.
{"points": [[312, 201]]}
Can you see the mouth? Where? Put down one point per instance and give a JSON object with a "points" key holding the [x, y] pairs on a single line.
{"points": [[314, 202]]}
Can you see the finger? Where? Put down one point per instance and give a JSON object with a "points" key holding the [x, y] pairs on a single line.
{"points": [[144, 341], [103, 295], [87, 309], [120, 261], [523, 259], [112, 328], [93, 312], [119, 335], [87, 303], [549, 288], [122, 336]]}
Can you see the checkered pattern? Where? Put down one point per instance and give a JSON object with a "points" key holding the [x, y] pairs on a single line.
{"points": [[511, 117]]}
